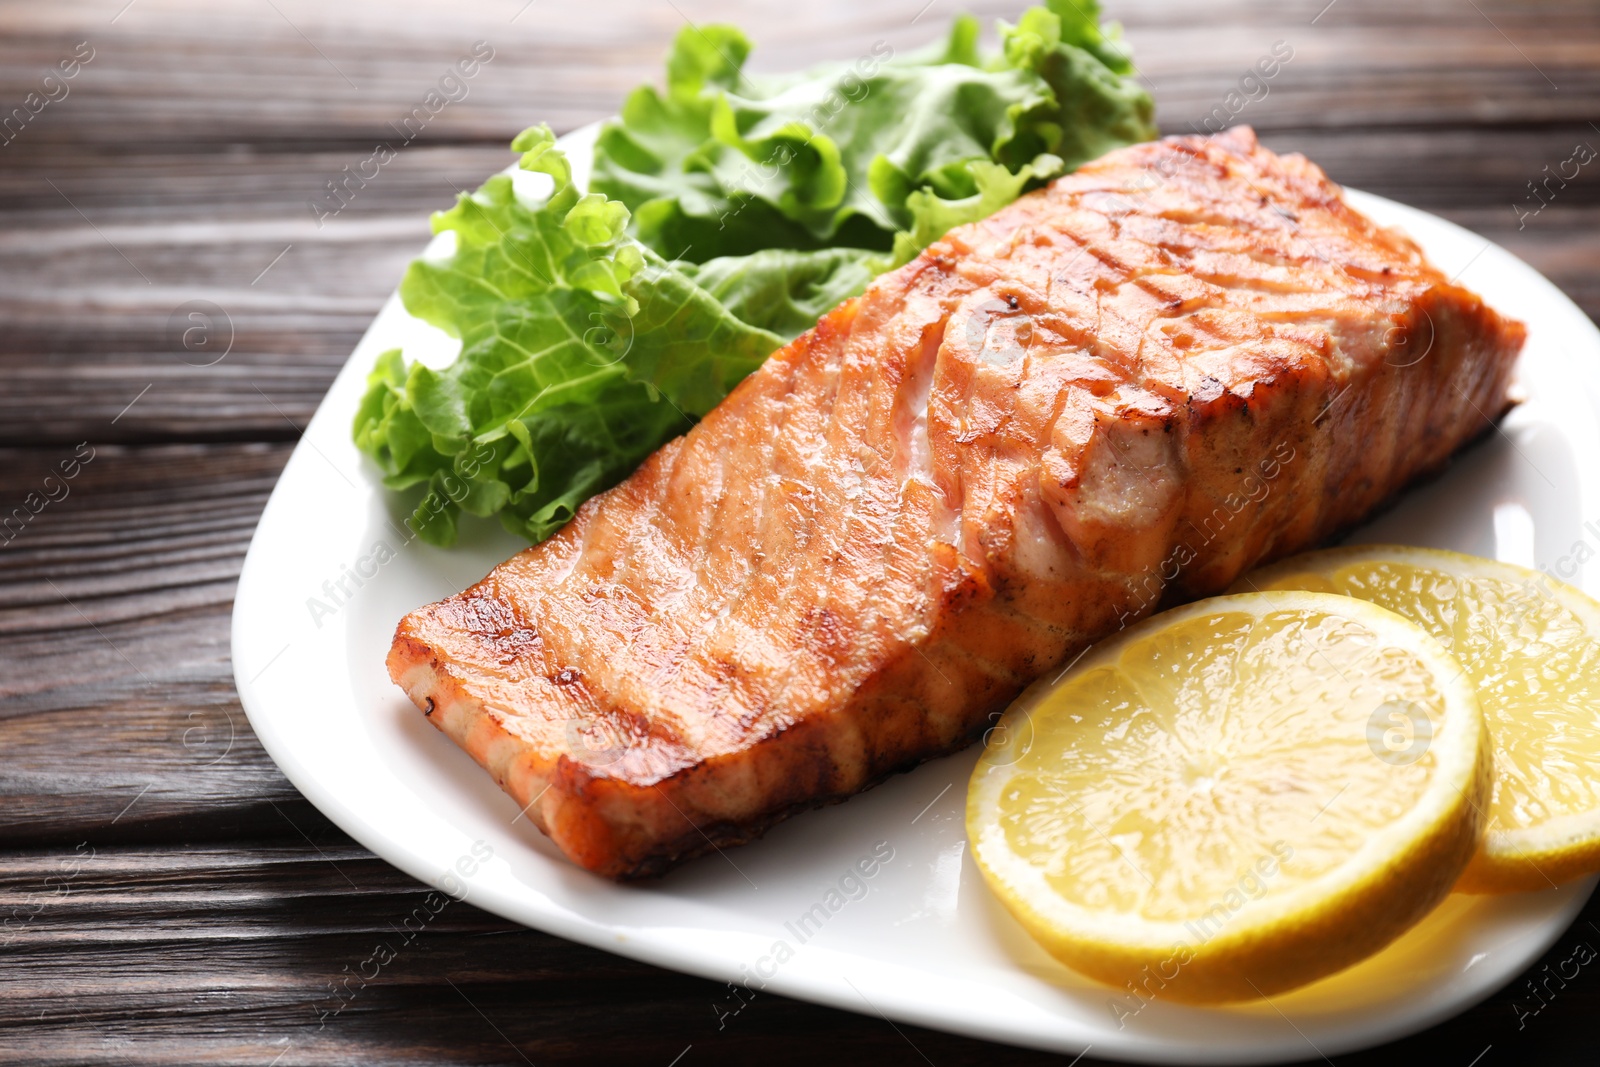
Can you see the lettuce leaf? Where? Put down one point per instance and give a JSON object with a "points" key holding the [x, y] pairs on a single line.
{"points": [[783, 290], [722, 163], [582, 352], [727, 213]]}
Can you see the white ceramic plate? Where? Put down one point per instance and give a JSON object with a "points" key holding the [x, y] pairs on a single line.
{"points": [[925, 942]]}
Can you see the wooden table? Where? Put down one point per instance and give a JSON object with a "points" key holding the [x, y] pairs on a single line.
{"points": [[167, 896]]}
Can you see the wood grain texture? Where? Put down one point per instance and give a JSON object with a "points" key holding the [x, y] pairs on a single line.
{"points": [[165, 895]]}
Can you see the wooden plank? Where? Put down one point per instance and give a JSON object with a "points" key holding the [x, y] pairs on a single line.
{"points": [[245, 954], [118, 714], [247, 72], [236, 953]]}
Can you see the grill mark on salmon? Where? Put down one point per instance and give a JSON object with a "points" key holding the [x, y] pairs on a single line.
{"points": [[1046, 425]]}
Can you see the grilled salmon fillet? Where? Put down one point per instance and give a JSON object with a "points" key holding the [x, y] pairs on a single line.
{"points": [[1122, 390]]}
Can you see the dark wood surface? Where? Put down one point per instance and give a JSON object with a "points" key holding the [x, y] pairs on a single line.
{"points": [[167, 897]]}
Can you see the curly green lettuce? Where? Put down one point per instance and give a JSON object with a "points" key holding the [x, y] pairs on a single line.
{"points": [[884, 153], [725, 215], [581, 352]]}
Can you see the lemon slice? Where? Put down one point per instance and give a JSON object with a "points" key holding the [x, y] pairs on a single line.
{"points": [[1200, 809], [1531, 646]]}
